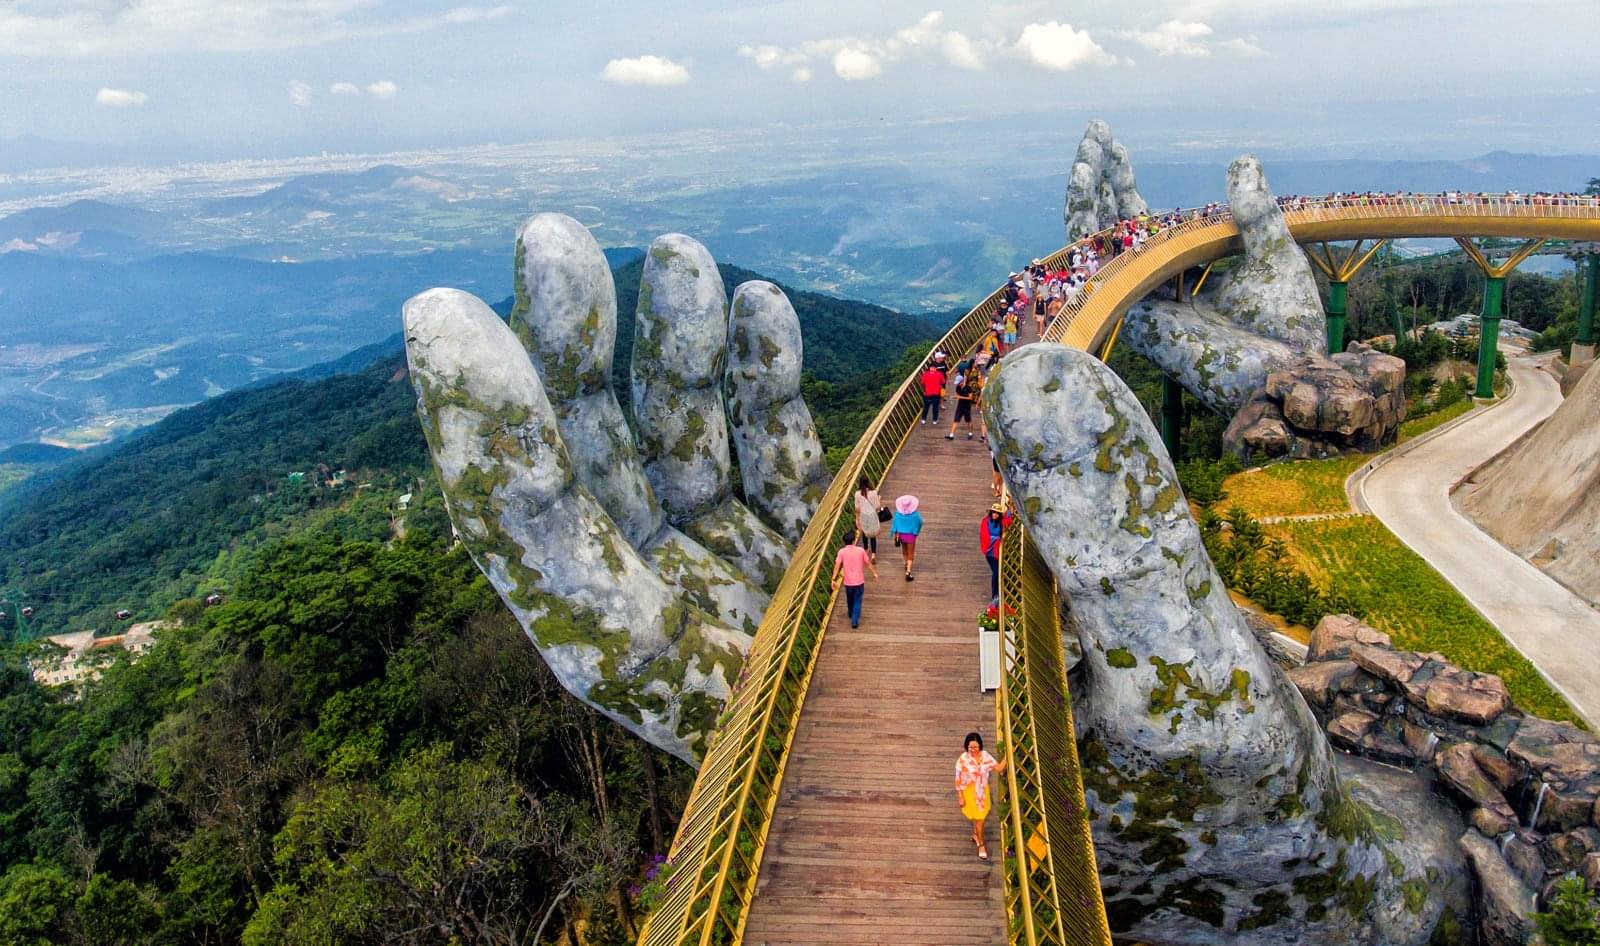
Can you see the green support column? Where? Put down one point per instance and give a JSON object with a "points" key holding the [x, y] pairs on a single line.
{"points": [[1171, 416], [1337, 296], [1494, 291], [1586, 301]]}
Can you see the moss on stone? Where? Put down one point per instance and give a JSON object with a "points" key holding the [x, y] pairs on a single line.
{"points": [[1271, 906], [1121, 658]]}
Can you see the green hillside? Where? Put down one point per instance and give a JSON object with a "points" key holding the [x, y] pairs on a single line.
{"points": [[175, 510]]}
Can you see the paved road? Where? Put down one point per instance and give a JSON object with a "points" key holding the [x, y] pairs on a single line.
{"points": [[1554, 628]]}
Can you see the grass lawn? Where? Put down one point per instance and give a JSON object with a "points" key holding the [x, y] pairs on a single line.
{"points": [[1401, 595], [1306, 487], [1298, 487]]}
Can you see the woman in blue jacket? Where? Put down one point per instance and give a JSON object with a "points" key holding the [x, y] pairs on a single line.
{"points": [[906, 525]]}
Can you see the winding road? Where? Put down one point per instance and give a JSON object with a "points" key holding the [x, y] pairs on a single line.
{"points": [[1410, 493]]}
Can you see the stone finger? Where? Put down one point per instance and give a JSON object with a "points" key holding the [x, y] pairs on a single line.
{"points": [[614, 633], [1272, 292], [566, 316], [679, 352], [780, 456]]}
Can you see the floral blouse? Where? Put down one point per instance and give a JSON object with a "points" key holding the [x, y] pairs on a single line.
{"points": [[975, 772]]}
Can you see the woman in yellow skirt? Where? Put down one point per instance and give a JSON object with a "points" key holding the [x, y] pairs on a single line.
{"points": [[972, 786]]}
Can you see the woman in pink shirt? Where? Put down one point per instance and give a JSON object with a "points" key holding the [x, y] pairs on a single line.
{"points": [[850, 567]]}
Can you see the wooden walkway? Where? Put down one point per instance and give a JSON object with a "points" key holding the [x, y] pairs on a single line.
{"points": [[868, 845]]}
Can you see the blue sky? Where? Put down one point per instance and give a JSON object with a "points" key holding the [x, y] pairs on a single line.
{"points": [[251, 77]]}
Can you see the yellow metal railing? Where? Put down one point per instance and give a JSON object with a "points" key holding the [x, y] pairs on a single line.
{"points": [[1052, 884], [1127, 277], [717, 852], [716, 855]]}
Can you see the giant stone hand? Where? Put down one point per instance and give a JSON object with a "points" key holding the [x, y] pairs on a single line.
{"points": [[1217, 811], [634, 568], [1251, 348]]}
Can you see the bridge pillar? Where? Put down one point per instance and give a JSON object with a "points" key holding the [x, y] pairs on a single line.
{"points": [[1172, 416], [1583, 344], [1494, 293], [1339, 269], [1338, 294]]}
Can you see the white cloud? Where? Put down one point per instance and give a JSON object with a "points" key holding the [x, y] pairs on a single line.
{"points": [[1173, 38], [120, 98], [1187, 38], [80, 28], [1060, 48], [300, 93], [645, 70], [476, 14], [854, 58], [854, 64], [962, 52], [383, 89]]}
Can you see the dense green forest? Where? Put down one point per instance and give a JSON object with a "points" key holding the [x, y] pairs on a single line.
{"points": [[175, 510], [358, 745]]}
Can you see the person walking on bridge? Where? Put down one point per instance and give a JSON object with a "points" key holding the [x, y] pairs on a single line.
{"points": [[990, 531], [965, 393], [907, 525], [870, 516], [850, 567], [932, 381], [973, 768]]}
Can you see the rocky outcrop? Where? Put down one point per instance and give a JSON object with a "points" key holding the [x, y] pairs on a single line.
{"points": [[1313, 407], [1529, 787], [1541, 498], [1100, 186], [1218, 813]]}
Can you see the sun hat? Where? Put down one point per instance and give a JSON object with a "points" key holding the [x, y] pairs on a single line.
{"points": [[998, 507], [905, 505]]}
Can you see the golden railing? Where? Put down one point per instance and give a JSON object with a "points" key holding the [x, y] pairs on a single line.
{"points": [[716, 854], [713, 865], [1052, 884], [1088, 321]]}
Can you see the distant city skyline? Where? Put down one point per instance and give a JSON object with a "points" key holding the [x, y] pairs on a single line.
{"points": [[146, 81]]}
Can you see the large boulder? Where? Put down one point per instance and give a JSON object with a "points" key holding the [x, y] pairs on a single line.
{"points": [[1505, 902], [1333, 636], [1311, 406]]}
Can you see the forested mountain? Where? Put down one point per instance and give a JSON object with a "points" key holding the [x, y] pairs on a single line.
{"points": [[172, 511], [358, 745]]}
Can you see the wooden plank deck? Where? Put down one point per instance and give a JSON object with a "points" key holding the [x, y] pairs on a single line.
{"points": [[867, 844]]}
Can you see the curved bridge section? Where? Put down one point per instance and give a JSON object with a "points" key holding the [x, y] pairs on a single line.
{"points": [[1047, 888], [1129, 277]]}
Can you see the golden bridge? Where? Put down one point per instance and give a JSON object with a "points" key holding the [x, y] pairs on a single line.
{"points": [[824, 812]]}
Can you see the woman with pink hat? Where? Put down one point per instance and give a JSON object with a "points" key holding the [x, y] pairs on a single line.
{"points": [[906, 525]]}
